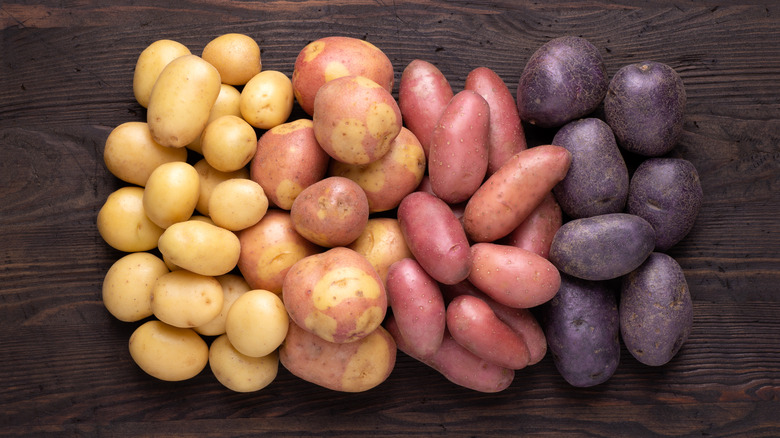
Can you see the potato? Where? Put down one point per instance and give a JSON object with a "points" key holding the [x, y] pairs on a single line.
{"points": [[331, 212], [435, 237], [236, 56], [227, 104], [597, 181], [267, 99], [127, 286], [123, 224], [458, 156], [513, 276], [602, 247], [508, 196], [536, 232], [645, 107], [256, 323], [423, 93], [200, 247], [288, 159], [347, 367], [656, 310], [458, 365], [228, 143], [185, 299], [382, 244], [150, 63], [418, 307], [208, 178], [237, 203], [233, 286], [181, 100], [563, 80], [269, 248], [239, 372], [168, 353], [171, 193], [582, 328], [333, 57], [387, 180], [667, 193], [355, 119], [506, 136], [337, 295], [131, 154]]}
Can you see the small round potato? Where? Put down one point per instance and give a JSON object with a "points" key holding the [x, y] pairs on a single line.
{"points": [[237, 203], [122, 221], [228, 143], [128, 284], [239, 372], [233, 286], [209, 178], [382, 244], [150, 63], [331, 212], [267, 99], [186, 299], [200, 247], [236, 56], [131, 154], [168, 353], [227, 104], [171, 193], [257, 323]]}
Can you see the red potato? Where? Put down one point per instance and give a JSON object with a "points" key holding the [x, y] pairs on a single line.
{"points": [[506, 199], [457, 364], [506, 136], [435, 237], [417, 305], [423, 93], [458, 155], [536, 232], [513, 276]]}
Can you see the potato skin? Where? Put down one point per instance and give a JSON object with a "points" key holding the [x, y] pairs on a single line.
{"points": [[597, 180], [656, 310], [582, 327], [423, 94], [536, 232], [435, 237], [458, 155], [348, 367], [602, 247], [506, 199], [131, 154], [667, 193], [382, 244], [150, 63], [563, 80]]}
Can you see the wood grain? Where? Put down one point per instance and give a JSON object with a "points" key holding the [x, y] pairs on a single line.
{"points": [[66, 81]]}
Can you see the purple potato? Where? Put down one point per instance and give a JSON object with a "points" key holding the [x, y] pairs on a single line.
{"points": [[602, 247], [563, 80], [645, 106], [582, 327], [667, 193], [597, 181], [656, 311]]}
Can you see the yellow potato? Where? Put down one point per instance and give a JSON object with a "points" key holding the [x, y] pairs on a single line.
{"points": [[209, 178], [236, 57], [257, 323], [233, 286], [200, 247], [127, 286], [181, 100], [382, 244], [131, 154], [122, 221], [228, 143], [168, 353], [150, 63], [226, 104], [185, 299], [239, 372], [267, 99], [171, 193], [236, 204]]}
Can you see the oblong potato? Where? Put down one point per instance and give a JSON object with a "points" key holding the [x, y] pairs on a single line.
{"points": [[150, 63], [171, 193], [423, 94], [123, 224], [200, 247], [185, 299], [257, 323], [167, 352], [239, 372], [131, 154], [267, 99], [127, 286], [536, 232]]}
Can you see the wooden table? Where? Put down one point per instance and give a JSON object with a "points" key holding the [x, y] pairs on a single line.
{"points": [[66, 80]]}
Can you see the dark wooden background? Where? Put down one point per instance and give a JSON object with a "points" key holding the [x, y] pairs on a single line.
{"points": [[66, 80]]}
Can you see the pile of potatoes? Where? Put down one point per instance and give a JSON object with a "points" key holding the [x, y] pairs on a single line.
{"points": [[422, 224]]}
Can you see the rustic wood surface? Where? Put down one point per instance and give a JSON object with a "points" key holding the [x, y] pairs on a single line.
{"points": [[66, 80]]}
